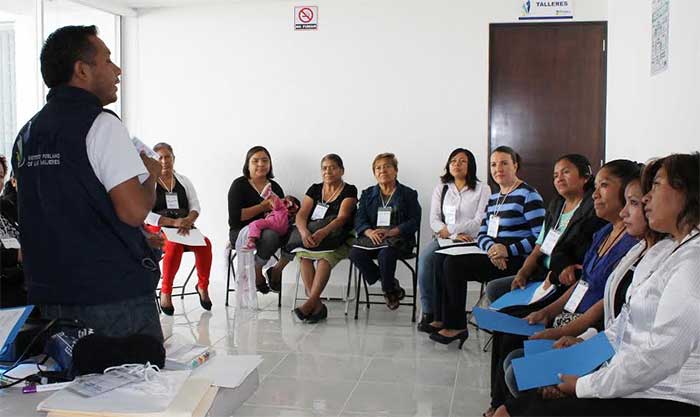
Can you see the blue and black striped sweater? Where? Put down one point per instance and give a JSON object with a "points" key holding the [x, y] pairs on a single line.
{"points": [[521, 216]]}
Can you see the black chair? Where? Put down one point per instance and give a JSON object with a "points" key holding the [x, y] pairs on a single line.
{"points": [[182, 287], [232, 272], [414, 275]]}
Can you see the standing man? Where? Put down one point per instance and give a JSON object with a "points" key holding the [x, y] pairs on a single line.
{"points": [[83, 195]]}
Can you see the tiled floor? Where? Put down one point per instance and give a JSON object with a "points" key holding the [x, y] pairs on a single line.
{"points": [[378, 365]]}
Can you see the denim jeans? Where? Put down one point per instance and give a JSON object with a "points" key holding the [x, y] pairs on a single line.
{"points": [[426, 276], [137, 315]]}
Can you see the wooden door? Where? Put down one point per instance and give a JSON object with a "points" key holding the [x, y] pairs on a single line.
{"points": [[547, 94]]}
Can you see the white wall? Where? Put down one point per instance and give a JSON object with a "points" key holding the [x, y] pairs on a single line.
{"points": [[408, 77], [652, 116]]}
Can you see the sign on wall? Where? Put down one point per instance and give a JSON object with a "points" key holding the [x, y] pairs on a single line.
{"points": [[659, 36], [542, 9], [306, 18]]}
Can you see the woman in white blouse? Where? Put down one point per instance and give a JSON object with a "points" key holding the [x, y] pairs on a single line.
{"points": [[656, 367], [456, 210]]}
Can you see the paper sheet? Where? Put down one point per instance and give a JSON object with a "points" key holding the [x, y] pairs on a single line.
{"points": [[228, 371], [194, 238], [461, 250], [446, 243], [493, 320], [532, 293], [11, 320], [542, 369]]}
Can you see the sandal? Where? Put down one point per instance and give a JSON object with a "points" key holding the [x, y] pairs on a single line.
{"points": [[275, 285]]}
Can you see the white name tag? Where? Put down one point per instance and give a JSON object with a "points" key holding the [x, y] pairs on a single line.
{"points": [[576, 296], [319, 211], [171, 201], [450, 213], [494, 221], [384, 217], [550, 242], [10, 243]]}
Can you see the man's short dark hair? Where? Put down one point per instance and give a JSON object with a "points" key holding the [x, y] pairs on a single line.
{"points": [[62, 49]]}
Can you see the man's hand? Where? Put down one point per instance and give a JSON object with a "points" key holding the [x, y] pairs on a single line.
{"points": [[152, 166]]}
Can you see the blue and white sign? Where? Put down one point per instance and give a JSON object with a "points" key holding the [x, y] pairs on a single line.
{"points": [[547, 9]]}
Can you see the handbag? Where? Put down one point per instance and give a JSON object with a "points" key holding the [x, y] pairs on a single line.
{"points": [[331, 242]]}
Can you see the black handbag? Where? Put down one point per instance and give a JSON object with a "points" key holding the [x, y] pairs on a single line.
{"points": [[331, 242]]}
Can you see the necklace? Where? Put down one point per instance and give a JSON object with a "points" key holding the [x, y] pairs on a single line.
{"points": [[172, 184]]}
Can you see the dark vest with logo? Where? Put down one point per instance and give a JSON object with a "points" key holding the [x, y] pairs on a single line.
{"points": [[75, 248]]}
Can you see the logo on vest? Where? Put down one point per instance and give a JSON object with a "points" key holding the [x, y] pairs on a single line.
{"points": [[44, 159]]}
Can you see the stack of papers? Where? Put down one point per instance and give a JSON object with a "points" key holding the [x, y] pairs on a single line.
{"points": [[194, 238], [462, 250], [227, 371], [543, 369], [446, 243], [532, 293], [185, 397], [182, 355], [11, 321]]}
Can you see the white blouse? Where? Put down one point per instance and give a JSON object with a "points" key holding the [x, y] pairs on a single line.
{"points": [[470, 208], [192, 200], [657, 335]]}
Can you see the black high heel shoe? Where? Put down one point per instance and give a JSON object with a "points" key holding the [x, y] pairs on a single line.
{"points": [[168, 311], [446, 340], [206, 304]]}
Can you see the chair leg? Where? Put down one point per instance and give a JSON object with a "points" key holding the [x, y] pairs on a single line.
{"points": [[364, 282], [415, 295], [182, 292], [358, 276], [347, 292], [228, 277], [296, 286], [488, 342]]}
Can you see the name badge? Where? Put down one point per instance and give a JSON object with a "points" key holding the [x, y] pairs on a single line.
{"points": [[450, 213], [494, 221], [576, 296], [384, 217], [171, 201], [319, 211], [10, 243], [550, 242]]}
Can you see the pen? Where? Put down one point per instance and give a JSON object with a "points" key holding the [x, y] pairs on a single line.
{"points": [[46, 387]]}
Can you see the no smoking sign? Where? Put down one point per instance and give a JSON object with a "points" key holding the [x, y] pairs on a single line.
{"points": [[306, 18]]}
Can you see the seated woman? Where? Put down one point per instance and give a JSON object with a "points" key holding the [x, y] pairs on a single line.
{"points": [[456, 211], [177, 206], [616, 285], [609, 245], [246, 204], [656, 366], [13, 291], [567, 230], [513, 220], [324, 225], [386, 222]]}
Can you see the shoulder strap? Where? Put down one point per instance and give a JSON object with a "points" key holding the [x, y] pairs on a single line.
{"points": [[442, 202]]}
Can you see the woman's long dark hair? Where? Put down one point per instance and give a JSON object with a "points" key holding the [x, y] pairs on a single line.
{"points": [[472, 179]]}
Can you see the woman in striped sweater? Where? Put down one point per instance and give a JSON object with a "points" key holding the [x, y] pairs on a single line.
{"points": [[514, 217]]}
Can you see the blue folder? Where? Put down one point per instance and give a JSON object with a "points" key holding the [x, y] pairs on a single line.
{"points": [[543, 369], [499, 322], [517, 297], [533, 347]]}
